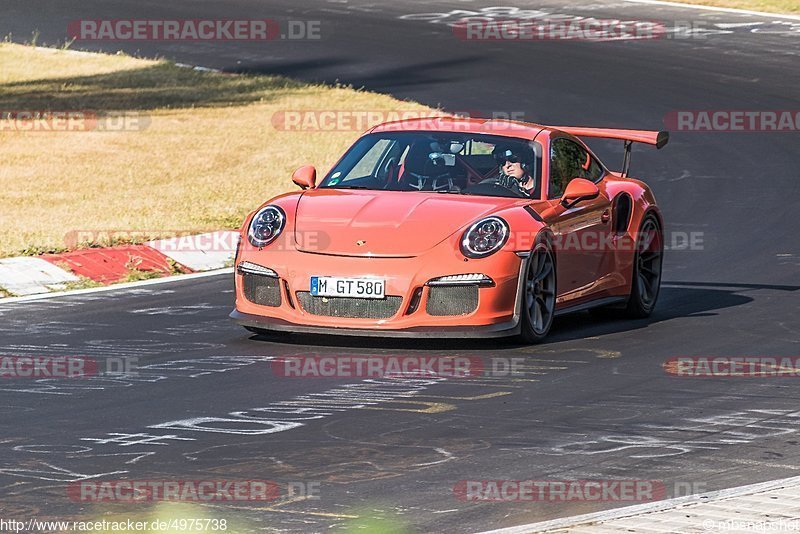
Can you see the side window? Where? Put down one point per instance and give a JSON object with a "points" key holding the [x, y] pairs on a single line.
{"points": [[592, 169], [570, 160], [480, 148]]}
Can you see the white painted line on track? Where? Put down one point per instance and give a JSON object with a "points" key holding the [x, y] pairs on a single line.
{"points": [[114, 287]]}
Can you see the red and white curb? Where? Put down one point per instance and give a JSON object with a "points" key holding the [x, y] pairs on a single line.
{"points": [[26, 276], [22, 276], [771, 506]]}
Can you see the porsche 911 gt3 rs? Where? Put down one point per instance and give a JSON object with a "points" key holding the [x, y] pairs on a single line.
{"points": [[452, 227]]}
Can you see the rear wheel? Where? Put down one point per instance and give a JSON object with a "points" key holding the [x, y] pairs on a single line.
{"points": [[647, 264], [539, 288]]}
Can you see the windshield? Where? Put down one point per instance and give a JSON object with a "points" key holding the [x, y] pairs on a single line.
{"points": [[441, 162]]}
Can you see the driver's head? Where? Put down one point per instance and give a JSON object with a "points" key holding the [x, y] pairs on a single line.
{"points": [[511, 161]]}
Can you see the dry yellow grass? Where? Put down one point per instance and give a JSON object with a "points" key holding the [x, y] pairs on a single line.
{"points": [[771, 6], [209, 155]]}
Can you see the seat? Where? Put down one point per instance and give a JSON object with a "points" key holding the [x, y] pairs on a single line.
{"points": [[420, 172]]}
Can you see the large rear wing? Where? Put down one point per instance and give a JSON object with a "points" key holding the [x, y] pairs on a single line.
{"points": [[657, 139]]}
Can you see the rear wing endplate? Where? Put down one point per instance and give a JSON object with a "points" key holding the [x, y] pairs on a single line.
{"points": [[657, 139]]}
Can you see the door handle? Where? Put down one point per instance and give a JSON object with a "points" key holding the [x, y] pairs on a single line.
{"points": [[605, 217]]}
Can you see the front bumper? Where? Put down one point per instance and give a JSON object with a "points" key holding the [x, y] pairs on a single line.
{"points": [[510, 328], [496, 314]]}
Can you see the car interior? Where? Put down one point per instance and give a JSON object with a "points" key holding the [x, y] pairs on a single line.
{"points": [[454, 163]]}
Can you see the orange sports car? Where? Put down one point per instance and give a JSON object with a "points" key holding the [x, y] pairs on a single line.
{"points": [[452, 227]]}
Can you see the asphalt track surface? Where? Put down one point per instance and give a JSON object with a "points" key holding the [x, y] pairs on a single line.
{"points": [[592, 403]]}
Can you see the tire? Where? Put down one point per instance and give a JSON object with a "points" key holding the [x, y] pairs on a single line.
{"points": [[647, 268], [539, 294]]}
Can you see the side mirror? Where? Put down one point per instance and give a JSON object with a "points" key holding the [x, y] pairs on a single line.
{"points": [[579, 189], [305, 177]]}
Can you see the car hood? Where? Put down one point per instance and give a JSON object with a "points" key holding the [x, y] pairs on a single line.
{"points": [[384, 223]]}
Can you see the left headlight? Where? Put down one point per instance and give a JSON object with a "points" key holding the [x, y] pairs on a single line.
{"points": [[484, 237], [266, 225]]}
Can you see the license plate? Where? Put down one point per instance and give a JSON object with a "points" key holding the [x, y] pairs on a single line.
{"points": [[361, 288]]}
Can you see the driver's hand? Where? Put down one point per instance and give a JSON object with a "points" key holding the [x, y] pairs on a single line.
{"points": [[509, 182], [505, 180], [512, 183]]}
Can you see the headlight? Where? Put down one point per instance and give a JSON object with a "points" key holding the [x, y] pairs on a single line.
{"points": [[485, 237], [266, 225]]}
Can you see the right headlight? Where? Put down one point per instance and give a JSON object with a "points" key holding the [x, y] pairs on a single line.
{"points": [[484, 237], [266, 225]]}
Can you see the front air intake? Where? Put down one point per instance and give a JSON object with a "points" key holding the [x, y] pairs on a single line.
{"points": [[261, 290], [452, 300], [348, 307]]}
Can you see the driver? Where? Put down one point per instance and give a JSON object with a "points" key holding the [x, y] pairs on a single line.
{"points": [[514, 170]]}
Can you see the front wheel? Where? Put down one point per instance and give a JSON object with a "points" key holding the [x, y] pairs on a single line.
{"points": [[539, 288], [647, 262]]}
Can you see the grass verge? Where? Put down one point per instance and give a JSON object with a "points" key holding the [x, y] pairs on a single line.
{"points": [[791, 7], [208, 155]]}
